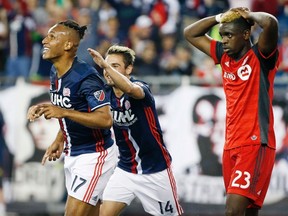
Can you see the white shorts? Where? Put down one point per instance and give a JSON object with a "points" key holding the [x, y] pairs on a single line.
{"points": [[86, 175], [157, 192]]}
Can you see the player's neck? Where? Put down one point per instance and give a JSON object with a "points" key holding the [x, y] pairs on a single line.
{"points": [[63, 67], [118, 92]]}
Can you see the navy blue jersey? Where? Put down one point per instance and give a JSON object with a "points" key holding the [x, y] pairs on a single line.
{"points": [[138, 133], [81, 89]]}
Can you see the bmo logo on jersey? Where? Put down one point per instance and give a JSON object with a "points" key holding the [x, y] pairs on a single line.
{"points": [[244, 72], [60, 100]]}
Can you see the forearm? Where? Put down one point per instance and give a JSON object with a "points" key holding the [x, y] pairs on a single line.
{"points": [[264, 20], [59, 137], [200, 27], [196, 34], [120, 81], [100, 118], [268, 38]]}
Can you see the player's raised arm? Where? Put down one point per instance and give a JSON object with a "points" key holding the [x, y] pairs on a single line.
{"points": [[117, 73], [196, 33], [268, 38]]}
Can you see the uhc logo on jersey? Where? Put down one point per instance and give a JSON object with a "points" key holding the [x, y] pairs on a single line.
{"points": [[60, 100], [99, 95]]}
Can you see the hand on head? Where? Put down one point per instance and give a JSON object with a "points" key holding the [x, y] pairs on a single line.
{"points": [[236, 13]]}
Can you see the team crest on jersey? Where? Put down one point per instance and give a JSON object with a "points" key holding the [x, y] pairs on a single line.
{"points": [[66, 92], [99, 95], [244, 72], [127, 105]]}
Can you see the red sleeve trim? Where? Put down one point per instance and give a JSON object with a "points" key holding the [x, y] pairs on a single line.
{"points": [[267, 57]]}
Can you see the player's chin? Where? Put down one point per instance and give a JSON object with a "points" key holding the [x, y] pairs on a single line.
{"points": [[110, 83], [45, 56]]}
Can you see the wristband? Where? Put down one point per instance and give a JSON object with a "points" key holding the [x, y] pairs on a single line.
{"points": [[218, 17]]}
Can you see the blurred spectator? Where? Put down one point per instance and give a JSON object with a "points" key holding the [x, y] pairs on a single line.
{"points": [[283, 16], [39, 69], [189, 8], [107, 37], [58, 10], [142, 31], [246, 3], [184, 64], [167, 58], [263, 5], [208, 71], [213, 7], [146, 63], [3, 39], [165, 15], [127, 13], [202, 8], [283, 54], [21, 25], [111, 32], [87, 17], [105, 12]]}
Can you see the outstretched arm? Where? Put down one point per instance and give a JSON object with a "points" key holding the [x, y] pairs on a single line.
{"points": [[268, 38], [196, 33], [120, 81]]}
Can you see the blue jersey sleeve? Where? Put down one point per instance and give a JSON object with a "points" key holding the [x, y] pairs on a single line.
{"points": [[93, 89], [149, 99]]}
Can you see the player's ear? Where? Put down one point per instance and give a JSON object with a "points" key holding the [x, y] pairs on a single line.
{"points": [[247, 34], [129, 69], [68, 45]]}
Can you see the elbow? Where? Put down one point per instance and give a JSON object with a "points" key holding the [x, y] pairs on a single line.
{"points": [[129, 91], [271, 23], [186, 33], [107, 122], [189, 35]]}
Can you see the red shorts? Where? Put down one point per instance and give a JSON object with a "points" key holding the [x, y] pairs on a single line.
{"points": [[247, 171]]}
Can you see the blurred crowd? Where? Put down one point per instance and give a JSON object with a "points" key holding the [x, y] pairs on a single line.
{"points": [[153, 28]]}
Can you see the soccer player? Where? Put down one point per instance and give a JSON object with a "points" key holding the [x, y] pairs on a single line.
{"points": [[82, 107], [248, 72], [144, 167]]}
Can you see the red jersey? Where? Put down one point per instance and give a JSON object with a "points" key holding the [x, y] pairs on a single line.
{"points": [[248, 86]]}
